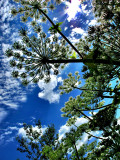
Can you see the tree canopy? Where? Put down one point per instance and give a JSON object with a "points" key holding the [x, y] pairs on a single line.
{"points": [[35, 57]]}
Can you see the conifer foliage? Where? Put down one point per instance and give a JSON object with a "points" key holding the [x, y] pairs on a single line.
{"points": [[35, 57]]}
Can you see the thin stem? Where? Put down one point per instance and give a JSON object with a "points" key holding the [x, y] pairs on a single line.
{"points": [[101, 96], [61, 33], [90, 134], [34, 47], [93, 135], [84, 115], [96, 90], [109, 105]]}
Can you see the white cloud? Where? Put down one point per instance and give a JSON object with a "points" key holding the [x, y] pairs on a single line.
{"points": [[84, 138], [93, 22], [79, 31], [13, 128], [47, 92], [3, 114], [11, 93], [118, 121], [15, 37], [80, 121], [72, 9], [76, 31], [65, 28], [7, 133], [22, 132], [55, 19], [5, 47], [83, 6], [64, 129], [83, 141], [5, 11]]}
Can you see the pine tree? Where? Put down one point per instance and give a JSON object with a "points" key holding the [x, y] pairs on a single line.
{"points": [[100, 54]]}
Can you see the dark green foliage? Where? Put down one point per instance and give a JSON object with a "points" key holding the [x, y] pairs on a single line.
{"points": [[54, 29], [33, 55], [100, 54], [103, 118], [38, 145]]}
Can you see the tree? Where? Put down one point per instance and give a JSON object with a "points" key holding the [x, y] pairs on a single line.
{"points": [[109, 146], [99, 53], [39, 145], [37, 62]]}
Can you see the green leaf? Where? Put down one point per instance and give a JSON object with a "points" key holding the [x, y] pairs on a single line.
{"points": [[74, 56], [54, 29]]}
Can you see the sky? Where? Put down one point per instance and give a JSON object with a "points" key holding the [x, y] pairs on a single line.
{"points": [[42, 101]]}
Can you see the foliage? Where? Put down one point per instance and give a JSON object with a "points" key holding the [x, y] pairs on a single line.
{"points": [[30, 56], [54, 29], [36, 144], [37, 55]]}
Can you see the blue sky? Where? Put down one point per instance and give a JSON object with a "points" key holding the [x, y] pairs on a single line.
{"points": [[42, 101]]}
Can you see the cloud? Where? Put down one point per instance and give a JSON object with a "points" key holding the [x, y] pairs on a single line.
{"points": [[72, 9], [93, 22], [84, 138], [8, 134], [118, 121], [83, 141], [64, 129], [5, 7], [55, 19], [22, 132], [77, 31], [65, 28], [47, 92], [5, 46], [3, 114], [11, 92]]}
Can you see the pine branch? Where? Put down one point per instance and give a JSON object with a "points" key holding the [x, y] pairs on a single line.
{"points": [[109, 105]]}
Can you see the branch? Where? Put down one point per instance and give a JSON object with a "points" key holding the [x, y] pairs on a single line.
{"points": [[96, 90], [99, 61], [93, 135], [109, 105], [90, 134]]}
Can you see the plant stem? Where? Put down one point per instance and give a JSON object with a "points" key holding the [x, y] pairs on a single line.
{"points": [[61, 33], [104, 61]]}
